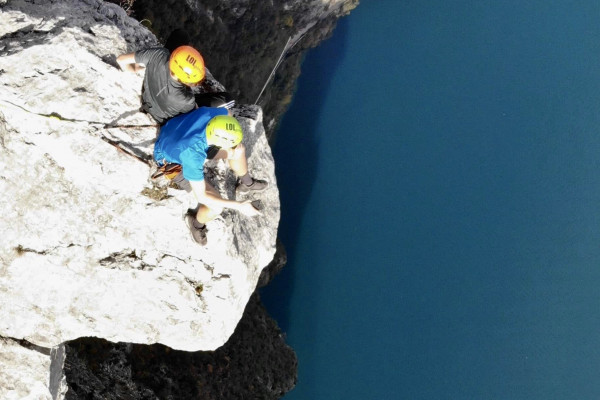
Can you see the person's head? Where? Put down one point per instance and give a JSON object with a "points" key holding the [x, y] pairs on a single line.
{"points": [[187, 65], [224, 131]]}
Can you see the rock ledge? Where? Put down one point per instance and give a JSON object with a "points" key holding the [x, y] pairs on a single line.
{"points": [[87, 249]]}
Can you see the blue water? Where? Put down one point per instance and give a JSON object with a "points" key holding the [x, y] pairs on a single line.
{"points": [[440, 183]]}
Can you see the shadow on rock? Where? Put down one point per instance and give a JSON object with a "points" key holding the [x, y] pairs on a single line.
{"points": [[254, 364]]}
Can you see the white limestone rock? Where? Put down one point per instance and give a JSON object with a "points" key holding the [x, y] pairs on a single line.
{"points": [[85, 249], [28, 373], [31, 373]]}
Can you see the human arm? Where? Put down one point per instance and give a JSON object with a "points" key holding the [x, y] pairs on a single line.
{"points": [[213, 200], [127, 63]]}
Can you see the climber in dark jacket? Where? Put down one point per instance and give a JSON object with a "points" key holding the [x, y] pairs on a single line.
{"points": [[168, 79]]}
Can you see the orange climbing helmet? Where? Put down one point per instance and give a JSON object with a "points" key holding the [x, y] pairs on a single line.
{"points": [[187, 65]]}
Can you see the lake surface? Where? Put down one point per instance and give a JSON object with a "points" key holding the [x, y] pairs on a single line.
{"points": [[440, 187]]}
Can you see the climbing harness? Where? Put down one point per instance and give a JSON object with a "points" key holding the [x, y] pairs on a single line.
{"points": [[168, 170]]}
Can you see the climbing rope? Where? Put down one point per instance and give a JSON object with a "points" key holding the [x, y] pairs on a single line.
{"points": [[57, 116], [286, 48], [118, 145]]}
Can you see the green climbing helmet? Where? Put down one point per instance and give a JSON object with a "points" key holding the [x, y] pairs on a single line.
{"points": [[224, 131]]}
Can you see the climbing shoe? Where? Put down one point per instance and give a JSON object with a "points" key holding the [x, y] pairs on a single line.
{"points": [[198, 234], [258, 185]]}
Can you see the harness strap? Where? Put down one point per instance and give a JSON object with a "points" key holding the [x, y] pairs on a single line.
{"points": [[169, 171]]}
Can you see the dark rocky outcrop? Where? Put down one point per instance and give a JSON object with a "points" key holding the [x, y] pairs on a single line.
{"points": [[241, 40], [255, 363]]}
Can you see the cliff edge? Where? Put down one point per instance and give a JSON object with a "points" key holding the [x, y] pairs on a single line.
{"points": [[90, 246]]}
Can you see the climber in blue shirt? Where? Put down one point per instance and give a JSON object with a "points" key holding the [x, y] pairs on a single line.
{"points": [[189, 140]]}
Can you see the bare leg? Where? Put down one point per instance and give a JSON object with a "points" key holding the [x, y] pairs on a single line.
{"points": [[205, 213], [236, 159], [238, 162], [239, 165]]}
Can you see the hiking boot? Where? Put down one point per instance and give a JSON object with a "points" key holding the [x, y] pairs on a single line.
{"points": [[258, 185], [198, 234]]}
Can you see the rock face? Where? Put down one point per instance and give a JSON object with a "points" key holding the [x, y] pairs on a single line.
{"points": [[90, 246], [254, 364], [30, 372], [237, 370]]}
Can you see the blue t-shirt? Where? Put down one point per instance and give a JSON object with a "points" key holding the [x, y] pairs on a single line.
{"points": [[182, 140]]}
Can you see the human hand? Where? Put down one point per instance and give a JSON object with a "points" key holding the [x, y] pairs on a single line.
{"points": [[248, 209]]}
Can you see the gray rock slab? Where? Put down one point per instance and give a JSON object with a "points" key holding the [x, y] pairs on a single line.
{"points": [[87, 247]]}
